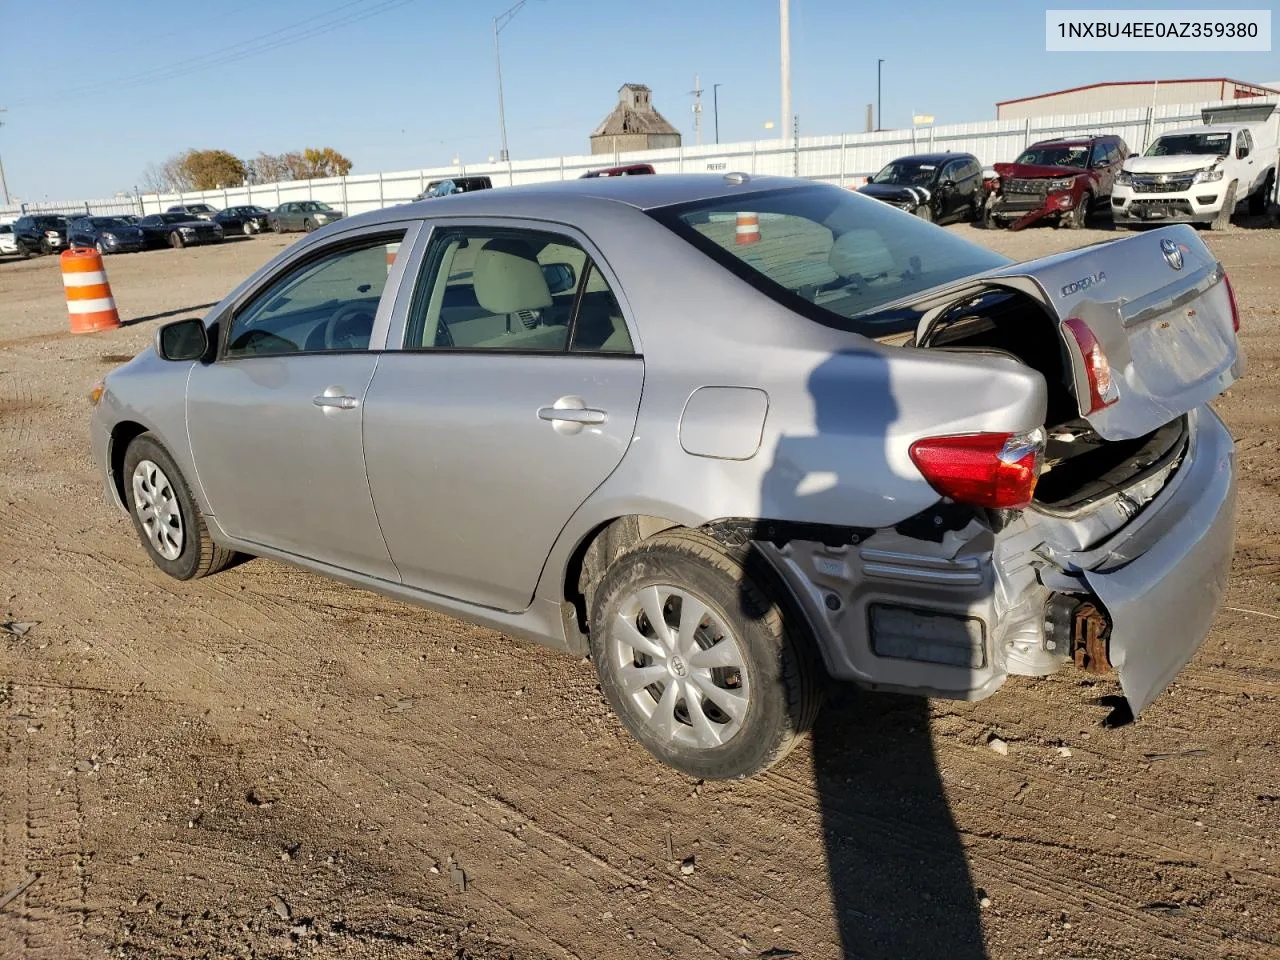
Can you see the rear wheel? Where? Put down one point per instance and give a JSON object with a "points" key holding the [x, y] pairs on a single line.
{"points": [[176, 241], [1223, 220], [168, 520], [1258, 202], [694, 654]]}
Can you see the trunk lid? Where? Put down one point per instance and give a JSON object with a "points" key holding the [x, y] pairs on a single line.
{"points": [[1161, 310]]}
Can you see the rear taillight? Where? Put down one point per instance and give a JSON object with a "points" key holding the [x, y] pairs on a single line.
{"points": [[1235, 310], [1102, 385], [997, 470]]}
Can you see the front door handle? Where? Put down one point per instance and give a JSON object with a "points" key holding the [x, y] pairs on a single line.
{"points": [[336, 403]]}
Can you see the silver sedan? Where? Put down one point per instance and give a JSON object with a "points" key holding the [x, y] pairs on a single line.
{"points": [[730, 437]]}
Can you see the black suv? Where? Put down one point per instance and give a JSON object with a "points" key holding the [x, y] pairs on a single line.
{"points": [[933, 186], [452, 185], [40, 233]]}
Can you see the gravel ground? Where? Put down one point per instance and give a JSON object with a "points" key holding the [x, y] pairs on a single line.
{"points": [[269, 764]]}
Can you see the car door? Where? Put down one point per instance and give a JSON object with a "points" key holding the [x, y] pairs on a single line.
{"points": [[1248, 164], [512, 397], [275, 421], [952, 198]]}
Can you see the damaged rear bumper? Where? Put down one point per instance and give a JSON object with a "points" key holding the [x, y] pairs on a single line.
{"points": [[952, 615]]}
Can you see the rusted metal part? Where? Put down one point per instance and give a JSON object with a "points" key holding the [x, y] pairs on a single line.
{"points": [[1090, 632]]}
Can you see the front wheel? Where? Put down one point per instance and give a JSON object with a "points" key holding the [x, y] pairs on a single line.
{"points": [[308, 225], [925, 212], [1223, 220], [1075, 217], [176, 241], [165, 515], [696, 656], [100, 248], [247, 229]]}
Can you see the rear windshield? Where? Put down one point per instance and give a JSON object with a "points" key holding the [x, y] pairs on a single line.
{"points": [[830, 254], [1208, 144]]}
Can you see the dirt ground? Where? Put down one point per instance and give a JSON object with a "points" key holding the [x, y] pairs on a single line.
{"points": [[269, 764]]}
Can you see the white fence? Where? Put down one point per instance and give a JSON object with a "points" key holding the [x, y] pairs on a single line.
{"points": [[844, 159]]}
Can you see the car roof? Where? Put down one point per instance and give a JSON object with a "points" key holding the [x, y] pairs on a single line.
{"points": [[1076, 141], [549, 199], [934, 157]]}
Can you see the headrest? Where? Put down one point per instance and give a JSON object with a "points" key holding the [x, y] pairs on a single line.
{"points": [[508, 277]]}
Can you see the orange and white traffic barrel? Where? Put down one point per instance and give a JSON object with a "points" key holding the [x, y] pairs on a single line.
{"points": [[90, 305], [392, 250], [748, 228]]}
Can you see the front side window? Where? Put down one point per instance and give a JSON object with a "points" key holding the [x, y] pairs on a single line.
{"points": [[830, 254], [513, 291], [327, 303]]}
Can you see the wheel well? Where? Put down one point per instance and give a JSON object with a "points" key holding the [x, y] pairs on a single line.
{"points": [[122, 434], [596, 551]]}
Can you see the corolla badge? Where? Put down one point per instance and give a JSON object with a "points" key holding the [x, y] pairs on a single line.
{"points": [[1172, 255]]}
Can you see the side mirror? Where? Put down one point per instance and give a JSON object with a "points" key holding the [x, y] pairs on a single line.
{"points": [[559, 276], [182, 340]]}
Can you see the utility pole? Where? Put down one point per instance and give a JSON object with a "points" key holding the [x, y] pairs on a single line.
{"points": [[500, 21], [879, 120], [784, 11], [4, 187], [715, 106], [697, 109]]}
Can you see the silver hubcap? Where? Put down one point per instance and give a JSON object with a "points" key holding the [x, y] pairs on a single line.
{"points": [[681, 666], [157, 507]]}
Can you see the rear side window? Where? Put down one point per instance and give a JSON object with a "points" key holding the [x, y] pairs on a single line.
{"points": [[828, 253], [512, 290]]}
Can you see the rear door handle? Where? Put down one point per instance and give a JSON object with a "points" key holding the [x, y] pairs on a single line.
{"points": [[573, 415], [338, 403]]}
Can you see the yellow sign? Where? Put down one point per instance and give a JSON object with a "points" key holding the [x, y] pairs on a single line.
{"points": [[920, 118]]}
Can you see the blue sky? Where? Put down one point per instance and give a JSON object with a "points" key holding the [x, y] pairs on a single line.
{"points": [[94, 96]]}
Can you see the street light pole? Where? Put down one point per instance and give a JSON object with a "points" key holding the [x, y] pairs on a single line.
{"points": [[715, 106], [879, 64], [784, 14], [499, 22]]}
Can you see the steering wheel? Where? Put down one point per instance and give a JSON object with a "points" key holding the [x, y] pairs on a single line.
{"points": [[349, 328]]}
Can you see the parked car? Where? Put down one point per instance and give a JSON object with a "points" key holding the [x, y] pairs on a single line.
{"points": [[451, 185], [940, 187], [1066, 179], [859, 445], [302, 215], [178, 230], [8, 245], [247, 220], [106, 234], [201, 211], [627, 170], [1198, 175], [39, 233]]}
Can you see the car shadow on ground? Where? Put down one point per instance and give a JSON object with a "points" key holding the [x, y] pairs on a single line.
{"points": [[192, 310], [897, 874]]}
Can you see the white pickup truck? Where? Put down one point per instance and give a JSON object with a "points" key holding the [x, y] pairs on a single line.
{"points": [[1199, 174]]}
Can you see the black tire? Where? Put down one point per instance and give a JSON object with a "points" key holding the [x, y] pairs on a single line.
{"points": [[308, 225], [1223, 220], [1258, 202], [925, 213], [199, 556], [24, 251], [247, 229], [1074, 218], [45, 247], [976, 207], [100, 248], [988, 220], [176, 241], [782, 672]]}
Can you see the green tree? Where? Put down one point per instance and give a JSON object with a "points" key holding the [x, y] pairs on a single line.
{"points": [[212, 169], [325, 162]]}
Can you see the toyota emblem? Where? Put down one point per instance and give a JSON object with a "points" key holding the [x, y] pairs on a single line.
{"points": [[1172, 255]]}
